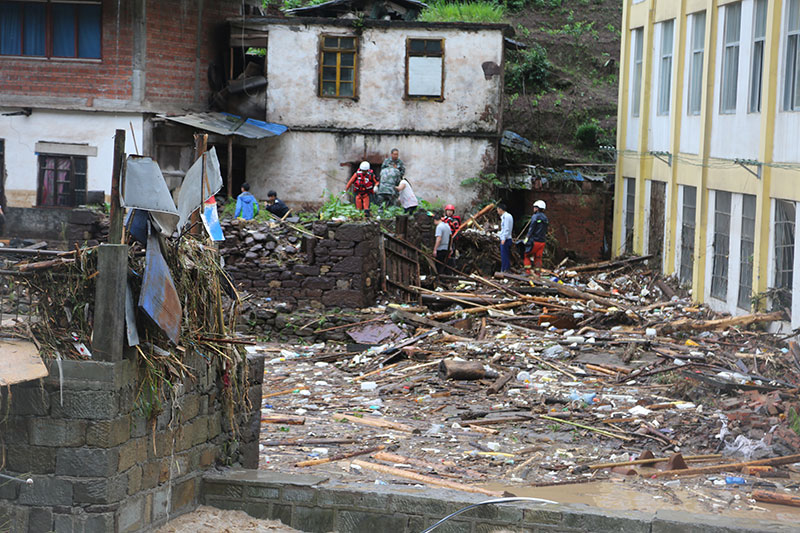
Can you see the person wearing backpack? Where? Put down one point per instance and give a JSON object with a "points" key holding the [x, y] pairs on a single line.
{"points": [[363, 182]]}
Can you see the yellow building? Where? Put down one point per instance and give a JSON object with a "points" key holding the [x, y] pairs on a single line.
{"points": [[708, 142]]}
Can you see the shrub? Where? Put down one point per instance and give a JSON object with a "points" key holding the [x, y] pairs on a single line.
{"points": [[588, 134], [529, 67], [480, 11]]}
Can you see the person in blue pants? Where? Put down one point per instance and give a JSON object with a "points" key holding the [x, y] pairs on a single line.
{"points": [[506, 228]]}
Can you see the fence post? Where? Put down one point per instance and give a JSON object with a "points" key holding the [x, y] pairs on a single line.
{"points": [[109, 302]]}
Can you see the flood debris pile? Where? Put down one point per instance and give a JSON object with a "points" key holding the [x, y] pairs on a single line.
{"points": [[597, 372]]}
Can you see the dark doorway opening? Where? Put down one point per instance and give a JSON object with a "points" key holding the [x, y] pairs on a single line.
{"points": [[239, 165], [658, 196]]}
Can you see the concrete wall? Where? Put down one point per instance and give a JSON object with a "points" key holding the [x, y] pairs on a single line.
{"points": [[55, 223], [98, 464], [306, 166], [318, 505], [472, 99], [76, 131]]}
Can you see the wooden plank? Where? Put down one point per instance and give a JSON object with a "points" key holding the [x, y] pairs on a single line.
{"points": [[20, 361]]}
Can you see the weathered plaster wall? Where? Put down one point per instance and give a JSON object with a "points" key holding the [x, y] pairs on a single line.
{"points": [[471, 102], [302, 166], [21, 134]]}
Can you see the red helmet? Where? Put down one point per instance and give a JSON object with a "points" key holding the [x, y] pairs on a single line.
{"points": [[450, 207]]}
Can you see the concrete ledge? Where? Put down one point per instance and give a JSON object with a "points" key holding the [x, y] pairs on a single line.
{"points": [[317, 505]]}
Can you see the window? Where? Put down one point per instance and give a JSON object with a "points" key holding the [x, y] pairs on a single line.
{"points": [[638, 44], [50, 29], [722, 232], [757, 62], [687, 233], [665, 71], [630, 210], [425, 68], [747, 250], [62, 180], [730, 57], [337, 71], [791, 92], [696, 65], [784, 253]]}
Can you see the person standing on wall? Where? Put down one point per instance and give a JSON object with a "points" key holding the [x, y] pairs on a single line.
{"points": [[246, 204], [442, 246], [394, 161], [407, 198], [505, 235], [537, 236], [363, 182]]}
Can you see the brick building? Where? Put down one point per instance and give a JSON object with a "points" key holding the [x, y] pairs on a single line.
{"points": [[72, 73]]}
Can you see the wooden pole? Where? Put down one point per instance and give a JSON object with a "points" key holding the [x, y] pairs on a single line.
{"points": [[713, 469], [428, 480], [230, 166], [200, 147], [115, 228], [766, 496], [339, 457]]}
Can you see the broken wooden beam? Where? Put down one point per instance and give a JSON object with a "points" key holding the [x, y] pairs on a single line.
{"points": [[339, 457], [686, 324], [501, 382], [417, 319], [652, 460], [714, 469], [461, 370], [766, 496], [375, 422], [428, 480], [290, 420]]}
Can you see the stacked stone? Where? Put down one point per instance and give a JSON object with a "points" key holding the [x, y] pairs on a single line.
{"points": [[340, 267], [98, 464], [248, 242]]}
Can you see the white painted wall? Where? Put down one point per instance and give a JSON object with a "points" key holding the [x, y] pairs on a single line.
{"points": [[659, 137], [690, 124], [787, 123], [302, 166], [736, 135], [94, 128], [471, 102]]}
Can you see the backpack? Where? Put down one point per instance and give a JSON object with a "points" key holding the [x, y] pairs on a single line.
{"points": [[364, 182], [454, 222]]}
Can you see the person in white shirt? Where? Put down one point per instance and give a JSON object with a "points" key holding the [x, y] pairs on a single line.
{"points": [[506, 228], [442, 246], [407, 198]]}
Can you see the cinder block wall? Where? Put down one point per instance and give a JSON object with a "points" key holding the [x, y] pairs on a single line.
{"points": [[99, 464], [339, 269]]}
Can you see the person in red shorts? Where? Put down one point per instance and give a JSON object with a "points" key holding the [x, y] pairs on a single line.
{"points": [[363, 182], [537, 236]]}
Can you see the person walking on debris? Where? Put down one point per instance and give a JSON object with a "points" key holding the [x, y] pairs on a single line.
{"points": [[537, 236], [442, 245], [363, 182], [246, 204], [275, 205], [506, 229], [407, 198], [394, 161], [386, 192]]}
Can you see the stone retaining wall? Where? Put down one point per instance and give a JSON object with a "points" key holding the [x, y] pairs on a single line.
{"points": [[98, 464], [316, 505]]}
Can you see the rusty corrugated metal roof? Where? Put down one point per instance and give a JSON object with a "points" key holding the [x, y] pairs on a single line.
{"points": [[229, 124]]}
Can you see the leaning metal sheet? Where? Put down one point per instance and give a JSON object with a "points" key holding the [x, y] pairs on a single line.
{"points": [[158, 298], [145, 187], [199, 186]]}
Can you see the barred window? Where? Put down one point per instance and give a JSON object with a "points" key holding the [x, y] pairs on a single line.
{"points": [[722, 237], [747, 248], [784, 252], [687, 233], [630, 211]]}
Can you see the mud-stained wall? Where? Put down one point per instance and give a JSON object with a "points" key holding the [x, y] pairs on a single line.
{"points": [[472, 97], [302, 166]]}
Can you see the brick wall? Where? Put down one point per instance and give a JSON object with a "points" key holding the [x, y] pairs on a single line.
{"points": [[98, 464]]}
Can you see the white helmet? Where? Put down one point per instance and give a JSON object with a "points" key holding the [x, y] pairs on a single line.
{"points": [[364, 165], [540, 204]]}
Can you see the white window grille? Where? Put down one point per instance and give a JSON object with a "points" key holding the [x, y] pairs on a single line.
{"points": [[696, 67], [747, 248], [757, 62], [630, 210], [722, 233], [791, 92], [665, 72], [784, 253], [638, 44], [687, 233], [730, 57]]}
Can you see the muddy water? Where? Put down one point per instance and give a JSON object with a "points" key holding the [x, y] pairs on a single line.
{"points": [[691, 498]]}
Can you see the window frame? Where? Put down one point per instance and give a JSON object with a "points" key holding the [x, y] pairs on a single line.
{"points": [[757, 58], [723, 202], [688, 229], [630, 212], [323, 48], [791, 68], [746, 251], [638, 62], [49, 53], [409, 54], [694, 100], [665, 69], [729, 94], [783, 260], [73, 174]]}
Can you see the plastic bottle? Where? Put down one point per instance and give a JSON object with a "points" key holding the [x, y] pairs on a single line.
{"points": [[735, 480]]}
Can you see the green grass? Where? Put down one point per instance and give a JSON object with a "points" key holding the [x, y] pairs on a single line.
{"points": [[444, 11]]}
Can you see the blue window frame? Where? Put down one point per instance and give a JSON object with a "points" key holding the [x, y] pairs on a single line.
{"points": [[50, 29]]}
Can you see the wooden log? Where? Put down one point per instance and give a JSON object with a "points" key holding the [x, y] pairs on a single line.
{"points": [[389, 457], [339, 457], [713, 469], [498, 385], [428, 480], [290, 420], [688, 459], [481, 309], [778, 498], [375, 422], [610, 265], [720, 323], [307, 442], [411, 317], [461, 370], [500, 420], [282, 392]]}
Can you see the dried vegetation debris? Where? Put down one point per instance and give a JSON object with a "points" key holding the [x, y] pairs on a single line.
{"points": [[537, 382]]}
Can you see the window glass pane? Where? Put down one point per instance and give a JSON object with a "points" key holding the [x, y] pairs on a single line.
{"points": [[346, 89], [346, 74], [416, 46], [791, 72], [10, 28], [329, 73], [433, 47], [730, 65], [696, 67], [329, 88], [347, 43], [35, 27], [760, 26], [637, 36], [329, 58], [425, 76], [699, 31], [756, 76], [666, 38], [89, 25], [665, 73], [347, 59], [794, 15], [733, 16], [63, 30], [331, 42]]}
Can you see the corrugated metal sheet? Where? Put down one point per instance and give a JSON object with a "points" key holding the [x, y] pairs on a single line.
{"points": [[228, 124], [158, 298]]}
